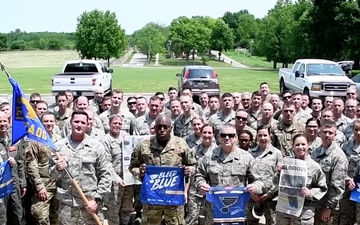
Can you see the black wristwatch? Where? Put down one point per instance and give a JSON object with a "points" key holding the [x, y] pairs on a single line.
{"points": [[98, 200]]}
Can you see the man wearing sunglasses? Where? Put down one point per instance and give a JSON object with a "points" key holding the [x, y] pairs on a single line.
{"points": [[226, 166], [163, 149]]}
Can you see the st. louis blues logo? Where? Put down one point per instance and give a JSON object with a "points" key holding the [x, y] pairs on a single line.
{"points": [[228, 202]]}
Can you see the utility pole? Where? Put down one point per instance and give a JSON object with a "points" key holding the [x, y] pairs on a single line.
{"points": [[149, 51]]}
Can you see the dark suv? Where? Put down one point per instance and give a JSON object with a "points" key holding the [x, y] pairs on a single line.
{"points": [[199, 79]]}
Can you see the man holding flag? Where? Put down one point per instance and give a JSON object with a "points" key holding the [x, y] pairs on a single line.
{"points": [[10, 152]]}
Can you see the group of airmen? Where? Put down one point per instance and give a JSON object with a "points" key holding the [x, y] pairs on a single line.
{"points": [[236, 139]]}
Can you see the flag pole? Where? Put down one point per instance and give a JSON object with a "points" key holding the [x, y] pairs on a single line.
{"points": [[73, 180], [4, 68]]}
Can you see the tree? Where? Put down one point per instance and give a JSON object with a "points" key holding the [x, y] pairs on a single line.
{"points": [[189, 35], [18, 45], [3, 42], [54, 44], [222, 38], [98, 35], [150, 40]]}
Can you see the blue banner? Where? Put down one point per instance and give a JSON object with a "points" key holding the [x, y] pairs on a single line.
{"points": [[6, 180], [25, 122], [229, 204], [163, 186], [355, 194]]}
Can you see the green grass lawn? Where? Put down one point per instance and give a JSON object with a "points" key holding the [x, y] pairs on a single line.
{"points": [[251, 61], [182, 62], [144, 80]]}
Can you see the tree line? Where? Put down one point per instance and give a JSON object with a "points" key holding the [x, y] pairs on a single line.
{"points": [[290, 30], [21, 40]]}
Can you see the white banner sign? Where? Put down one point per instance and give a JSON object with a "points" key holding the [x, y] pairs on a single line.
{"points": [[129, 144]]}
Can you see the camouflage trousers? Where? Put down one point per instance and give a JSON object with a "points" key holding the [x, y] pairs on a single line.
{"points": [[46, 212], [306, 217], [119, 205], [269, 213], [154, 215], [14, 209], [334, 217], [347, 209], [195, 203], [76, 216], [3, 211]]}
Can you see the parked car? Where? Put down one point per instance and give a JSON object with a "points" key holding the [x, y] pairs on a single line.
{"points": [[356, 79], [81, 77], [199, 79], [316, 78]]}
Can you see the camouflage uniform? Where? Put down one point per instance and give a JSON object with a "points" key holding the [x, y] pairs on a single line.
{"points": [[282, 135], [61, 119], [121, 198], [316, 143], [334, 164], [175, 153], [208, 114], [66, 131], [192, 140], [94, 106], [317, 184], [197, 109], [196, 200], [219, 119], [88, 165], [96, 133], [253, 116], [3, 203], [252, 131], [342, 123], [349, 130], [340, 138], [347, 207], [37, 166], [129, 122], [143, 123], [13, 204], [263, 169], [256, 124], [221, 170], [183, 126]]}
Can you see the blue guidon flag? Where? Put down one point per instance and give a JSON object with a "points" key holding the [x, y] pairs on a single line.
{"points": [[6, 180], [228, 204], [355, 194], [163, 186], [25, 122]]}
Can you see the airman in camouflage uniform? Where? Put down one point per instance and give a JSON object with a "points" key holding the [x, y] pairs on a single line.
{"points": [[93, 132], [226, 115], [334, 164], [182, 124], [255, 108], [121, 198], [241, 121], [196, 108], [144, 121], [162, 150], [129, 121], [214, 106], [13, 203], [44, 204], [61, 117], [286, 129], [228, 165], [267, 113], [86, 161], [196, 200], [328, 115], [316, 185], [352, 151], [263, 168], [96, 101], [340, 119]]}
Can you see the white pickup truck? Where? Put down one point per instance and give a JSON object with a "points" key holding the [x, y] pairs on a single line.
{"points": [[81, 77], [316, 78]]}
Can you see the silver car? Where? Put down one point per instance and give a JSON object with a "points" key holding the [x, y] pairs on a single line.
{"points": [[199, 79]]}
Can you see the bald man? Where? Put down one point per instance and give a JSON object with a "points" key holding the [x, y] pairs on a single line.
{"points": [[96, 101]]}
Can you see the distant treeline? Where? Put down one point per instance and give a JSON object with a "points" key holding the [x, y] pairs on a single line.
{"points": [[21, 40]]}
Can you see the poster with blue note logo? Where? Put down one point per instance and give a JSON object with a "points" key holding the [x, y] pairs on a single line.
{"points": [[163, 186], [355, 194]]}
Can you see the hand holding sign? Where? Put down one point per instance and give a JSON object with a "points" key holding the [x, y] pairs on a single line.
{"points": [[12, 161], [351, 184], [205, 187]]}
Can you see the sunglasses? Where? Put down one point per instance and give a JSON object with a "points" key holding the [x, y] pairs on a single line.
{"points": [[222, 135], [161, 98], [286, 97], [241, 118], [131, 103], [244, 140], [33, 102], [350, 93]]}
